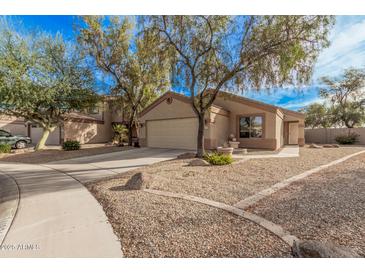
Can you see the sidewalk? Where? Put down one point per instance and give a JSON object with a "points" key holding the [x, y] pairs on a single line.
{"points": [[56, 217], [286, 151]]}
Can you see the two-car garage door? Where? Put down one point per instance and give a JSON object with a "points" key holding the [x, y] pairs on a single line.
{"points": [[173, 133]]}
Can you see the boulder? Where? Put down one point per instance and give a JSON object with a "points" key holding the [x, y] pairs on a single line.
{"points": [[198, 162], [331, 146], [187, 155], [328, 146], [139, 181], [314, 146], [315, 249]]}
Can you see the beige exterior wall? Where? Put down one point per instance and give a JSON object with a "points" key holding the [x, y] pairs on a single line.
{"points": [[238, 109], [279, 131], [89, 132], [327, 136], [218, 130], [13, 125], [173, 110]]}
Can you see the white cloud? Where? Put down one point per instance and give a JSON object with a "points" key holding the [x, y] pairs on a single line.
{"points": [[295, 105], [347, 47]]}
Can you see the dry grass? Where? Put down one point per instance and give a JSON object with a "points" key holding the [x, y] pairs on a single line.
{"points": [[155, 226], [230, 184], [50, 155], [326, 206]]}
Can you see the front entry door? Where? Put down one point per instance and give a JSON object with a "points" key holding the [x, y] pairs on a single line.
{"points": [[293, 133]]}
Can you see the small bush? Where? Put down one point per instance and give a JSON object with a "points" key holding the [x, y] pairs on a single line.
{"points": [[71, 145], [120, 133], [218, 159], [347, 139], [5, 148]]}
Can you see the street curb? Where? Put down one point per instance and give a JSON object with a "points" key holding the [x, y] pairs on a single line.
{"points": [[9, 203]]}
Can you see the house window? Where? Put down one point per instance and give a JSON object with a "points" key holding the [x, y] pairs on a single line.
{"points": [[93, 110], [251, 127]]}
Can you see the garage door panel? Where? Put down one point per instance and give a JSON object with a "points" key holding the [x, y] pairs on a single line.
{"points": [[53, 138], [173, 133]]}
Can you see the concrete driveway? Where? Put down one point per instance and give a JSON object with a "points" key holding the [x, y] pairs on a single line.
{"points": [[86, 169], [56, 216]]}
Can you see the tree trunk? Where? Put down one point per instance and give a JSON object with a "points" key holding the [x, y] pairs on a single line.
{"points": [[42, 142], [200, 143], [130, 133]]}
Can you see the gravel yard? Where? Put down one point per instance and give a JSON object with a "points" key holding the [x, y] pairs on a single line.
{"points": [[50, 155], [326, 206], [154, 226], [230, 184]]}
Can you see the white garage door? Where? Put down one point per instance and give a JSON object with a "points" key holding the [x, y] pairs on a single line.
{"points": [[53, 138], [174, 133]]}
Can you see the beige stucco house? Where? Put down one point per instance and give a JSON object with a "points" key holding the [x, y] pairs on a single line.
{"points": [[170, 122], [91, 126]]}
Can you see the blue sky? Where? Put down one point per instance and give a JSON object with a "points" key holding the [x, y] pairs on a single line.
{"points": [[347, 50]]}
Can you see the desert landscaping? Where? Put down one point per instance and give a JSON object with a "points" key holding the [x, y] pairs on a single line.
{"points": [[154, 226]]}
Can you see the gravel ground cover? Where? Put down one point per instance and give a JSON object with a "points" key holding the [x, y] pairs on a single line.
{"points": [[153, 226], [50, 155], [230, 184], [326, 206]]}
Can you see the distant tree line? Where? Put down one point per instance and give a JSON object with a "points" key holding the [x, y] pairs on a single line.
{"points": [[344, 102]]}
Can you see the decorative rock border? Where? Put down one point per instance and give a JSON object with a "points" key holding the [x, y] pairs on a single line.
{"points": [[9, 202], [271, 227], [249, 201]]}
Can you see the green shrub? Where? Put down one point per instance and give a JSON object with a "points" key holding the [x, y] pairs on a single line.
{"points": [[218, 159], [71, 145], [347, 139], [5, 148], [120, 133]]}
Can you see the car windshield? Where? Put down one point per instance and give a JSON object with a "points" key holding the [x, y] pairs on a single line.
{"points": [[4, 133]]}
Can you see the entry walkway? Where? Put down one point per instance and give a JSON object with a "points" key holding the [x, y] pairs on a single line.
{"points": [[286, 151]]}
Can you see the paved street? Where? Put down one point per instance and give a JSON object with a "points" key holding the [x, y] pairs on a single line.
{"points": [[57, 216]]}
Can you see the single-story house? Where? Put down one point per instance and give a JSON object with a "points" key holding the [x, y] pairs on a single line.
{"points": [[170, 122], [91, 126]]}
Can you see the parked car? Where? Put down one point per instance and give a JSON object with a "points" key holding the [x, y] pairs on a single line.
{"points": [[16, 141]]}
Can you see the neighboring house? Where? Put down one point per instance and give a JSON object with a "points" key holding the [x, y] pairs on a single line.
{"points": [[170, 122], [93, 126]]}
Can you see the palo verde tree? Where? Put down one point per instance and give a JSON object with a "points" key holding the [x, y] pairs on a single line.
{"points": [[42, 79], [347, 97], [132, 58], [211, 53]]}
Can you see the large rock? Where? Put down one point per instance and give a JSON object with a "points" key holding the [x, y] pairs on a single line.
{"points": [[198, 162], [139, 181], [314, 249], [314, 146], [187, 155], [328, 146], [331, 146]]}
